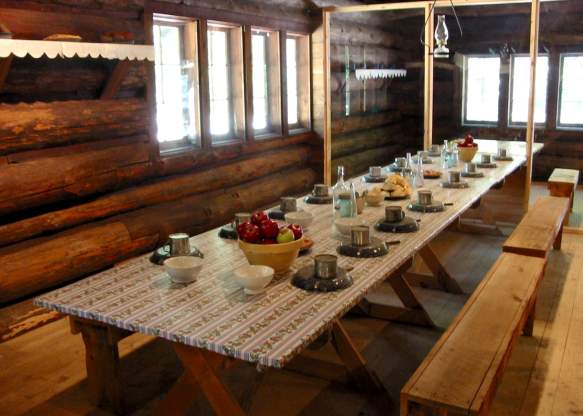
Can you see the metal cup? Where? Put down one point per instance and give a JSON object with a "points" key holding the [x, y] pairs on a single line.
{"points": [[470, 168], [240, 218], [320, 190], [375, 171], [394, 213], [502, 153], [179, 244], [435, 148], [288, 204], [400, 162], [486, 159], [424, 197], [326, 266], [360, 235], [454, 176]]}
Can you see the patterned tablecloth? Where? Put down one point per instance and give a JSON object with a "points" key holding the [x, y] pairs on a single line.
{"points": [[268, 329]]}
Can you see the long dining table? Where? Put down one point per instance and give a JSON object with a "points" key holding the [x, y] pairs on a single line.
{"points": [[212, 323]]}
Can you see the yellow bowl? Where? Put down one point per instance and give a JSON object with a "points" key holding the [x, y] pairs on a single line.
{"points": [[279, 257], [467, 153]]}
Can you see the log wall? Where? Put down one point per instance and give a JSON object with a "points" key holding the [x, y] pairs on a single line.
{"points": [[374, 121], [82, 185]]}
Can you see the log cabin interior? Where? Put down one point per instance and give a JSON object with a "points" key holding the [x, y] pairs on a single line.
{"points": [[211, 207]]}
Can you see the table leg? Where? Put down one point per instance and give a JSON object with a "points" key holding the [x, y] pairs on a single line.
{"points": [[364, 379], [200, 374], [440, 278], [412, 312], [102, 361]]}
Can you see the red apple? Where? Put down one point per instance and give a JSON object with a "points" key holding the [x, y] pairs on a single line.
{"points": [[269, 229], [249, 233], [297, 230], [258, 217]]}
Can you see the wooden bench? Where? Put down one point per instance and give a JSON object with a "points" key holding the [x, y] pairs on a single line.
{"points": [[540, 229], [462, 371], [563, 182]]}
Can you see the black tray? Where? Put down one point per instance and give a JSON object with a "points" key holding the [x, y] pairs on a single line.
{"points": [[406, 225], [306, 279]]}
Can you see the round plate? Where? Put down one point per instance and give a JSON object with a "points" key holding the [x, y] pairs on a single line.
{"points": [[472, 175], [455, 185], [376, 248], [406, 225], [318, 200], [436, 206], [306, 279], [503, 159], [486, 165], [431, 176], [375, 179], [436, 154], [397, 198], [276, 214], [395, 168], [228, 232]]}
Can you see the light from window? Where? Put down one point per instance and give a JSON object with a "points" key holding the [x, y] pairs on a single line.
{"points": [[260, 81], [521, 89], [292, 80], [571, 94], [176, 84], [220, 101], [482, 89]]}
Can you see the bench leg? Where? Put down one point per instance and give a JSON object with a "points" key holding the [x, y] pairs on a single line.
{"points": [[440, 278], [559, 240], [529, 324]]}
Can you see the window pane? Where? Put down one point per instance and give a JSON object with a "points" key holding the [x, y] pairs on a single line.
{"points": [[292, 81], [482, 89], [260, 84], [521, 89], [176, 85], [220, 115], [571, 105]]}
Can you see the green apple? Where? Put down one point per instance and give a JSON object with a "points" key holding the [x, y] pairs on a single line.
{"points": [[285, 235]]}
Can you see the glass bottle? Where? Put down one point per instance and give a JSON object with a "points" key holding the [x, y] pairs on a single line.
{"points": [[444, 152], [409, 161], [344, 198], [418, 181]]}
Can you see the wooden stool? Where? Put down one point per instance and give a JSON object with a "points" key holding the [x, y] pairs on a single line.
{"points": [[563, 182]]}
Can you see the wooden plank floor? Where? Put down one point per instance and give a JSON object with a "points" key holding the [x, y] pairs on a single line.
{"points": [[42, 372]]}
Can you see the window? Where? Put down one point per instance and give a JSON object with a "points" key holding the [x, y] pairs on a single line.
{"points": [[520, 89], [226, 91], [177, 96], [481, 89], [266, 83], [571, 92], [298, 81]]}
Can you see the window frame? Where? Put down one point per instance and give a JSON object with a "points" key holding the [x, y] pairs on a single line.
{"points": [[522, 124], [186, 142], [559, 125], [477, 123]]}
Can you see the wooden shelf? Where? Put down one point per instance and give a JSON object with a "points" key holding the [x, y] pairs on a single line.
{"points": [[54, 49]]}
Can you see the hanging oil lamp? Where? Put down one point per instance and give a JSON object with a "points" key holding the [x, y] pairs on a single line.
{"points": [[441, 37]]}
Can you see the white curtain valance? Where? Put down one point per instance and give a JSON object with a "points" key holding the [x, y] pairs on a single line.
{"points": [[364, 74], [53, 49]]}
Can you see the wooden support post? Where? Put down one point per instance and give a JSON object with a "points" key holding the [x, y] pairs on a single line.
{"points": [[115, 79], [530, 126], [428, 77], [327, 101], [102, 361], [248, 82], [440, 277], [528, 328]]}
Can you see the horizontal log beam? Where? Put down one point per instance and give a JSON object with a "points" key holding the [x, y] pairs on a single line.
{"points": [[35, 126], [90, 248], [359, 141], [354, 123], [160, 191]]}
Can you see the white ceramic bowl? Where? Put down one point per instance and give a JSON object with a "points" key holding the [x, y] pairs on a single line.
{"points": [[343, 225], [183, 269], [302, 218], [253, 278]]}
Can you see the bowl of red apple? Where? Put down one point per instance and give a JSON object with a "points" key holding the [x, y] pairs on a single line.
{"points": [[264, 242], [467, 149]]}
